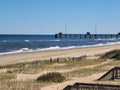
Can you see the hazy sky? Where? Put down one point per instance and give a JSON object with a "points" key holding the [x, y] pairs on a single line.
{"points": [[50, 16]]}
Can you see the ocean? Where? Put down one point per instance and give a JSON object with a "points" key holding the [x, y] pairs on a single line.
{"points": [[10, 44]]}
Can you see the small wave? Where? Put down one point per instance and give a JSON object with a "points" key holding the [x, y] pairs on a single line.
{"points": [[101, 44], [17, 51], [5, 41], [27, 40], [109, 39], [55, 40], [112, 43], [50, 48], [24, 50], [49, 40], [70, 47]]}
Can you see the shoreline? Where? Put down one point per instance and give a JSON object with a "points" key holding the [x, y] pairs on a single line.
{"points": [[42, 55], [27, 50]]}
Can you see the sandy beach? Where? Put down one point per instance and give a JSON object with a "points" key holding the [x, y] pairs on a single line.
{"points": [[90, 52], [42, 55]]}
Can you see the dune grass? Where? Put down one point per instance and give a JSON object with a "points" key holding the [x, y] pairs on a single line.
{"points": [[52, 77], [38, 66], [114, 54], [83, 72], [21, 85], [8, 78]]}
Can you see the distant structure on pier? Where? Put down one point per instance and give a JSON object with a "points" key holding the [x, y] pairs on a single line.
{"points": [[88, 35]]}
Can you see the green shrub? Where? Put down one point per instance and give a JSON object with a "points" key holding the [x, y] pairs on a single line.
{"points": [[114, 54], [51, 77]]}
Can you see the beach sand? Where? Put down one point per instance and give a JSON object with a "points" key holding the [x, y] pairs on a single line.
{"points": [[91, 52], [42, 55]]}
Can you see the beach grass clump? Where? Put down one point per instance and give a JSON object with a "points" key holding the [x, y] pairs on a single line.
{"points": [[55, 77], [114, 54], [7, 76], [20, 85]]}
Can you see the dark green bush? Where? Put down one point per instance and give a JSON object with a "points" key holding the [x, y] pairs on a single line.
{"points": [[51, 77], [114, 54]]}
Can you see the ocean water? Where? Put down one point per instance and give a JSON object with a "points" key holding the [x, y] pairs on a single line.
{"points": [[31, 43]]}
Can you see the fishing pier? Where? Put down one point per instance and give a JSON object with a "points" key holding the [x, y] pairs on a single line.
{"points": [[88, 35]]}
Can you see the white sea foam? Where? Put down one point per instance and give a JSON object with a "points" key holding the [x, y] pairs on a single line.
{"points": [[112, 43], [70, 47], [27, 40], [50, 48], [110, 39], [49, 40], [22, 50]]}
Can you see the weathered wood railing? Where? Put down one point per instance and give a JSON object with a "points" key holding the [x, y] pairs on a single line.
{"points": [[89, 86], [112, 74]]}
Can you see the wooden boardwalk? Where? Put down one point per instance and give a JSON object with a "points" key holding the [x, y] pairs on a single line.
{"points": [[89, 86], [112, 74]]}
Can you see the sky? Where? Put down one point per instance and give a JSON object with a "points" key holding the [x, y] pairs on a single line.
{"points": [[51, 16]]}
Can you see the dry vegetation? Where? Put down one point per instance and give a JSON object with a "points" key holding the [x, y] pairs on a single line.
{"points": [[69, 67], [114, 54], [55, 77]]}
